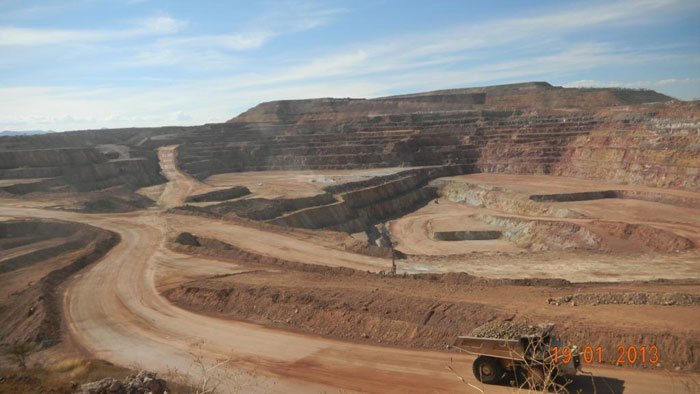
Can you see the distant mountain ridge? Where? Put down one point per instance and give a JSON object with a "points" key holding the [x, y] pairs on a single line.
{"points": [[520, 96], [10, 133]]}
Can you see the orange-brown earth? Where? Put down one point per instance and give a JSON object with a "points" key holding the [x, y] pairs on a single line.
{"points": [[598, 187], [430, 310]]}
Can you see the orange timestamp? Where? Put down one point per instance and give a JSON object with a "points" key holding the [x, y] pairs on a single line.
{"points": [[626, 355]]}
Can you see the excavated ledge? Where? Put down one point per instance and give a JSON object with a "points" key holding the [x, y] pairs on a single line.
{"points": [[366, 307], [602, 235], [33, 313], [220, 195], [581, 196], [466, 235]]}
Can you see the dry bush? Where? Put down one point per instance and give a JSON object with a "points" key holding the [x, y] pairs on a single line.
{"points": [[18, 353], [66, 365], [536, 372], [214, 377]]}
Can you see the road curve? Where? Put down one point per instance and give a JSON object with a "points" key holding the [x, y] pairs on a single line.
{"points": [[115, 312]]}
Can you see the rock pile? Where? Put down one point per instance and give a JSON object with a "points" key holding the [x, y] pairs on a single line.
{"points": [[142, 383], [188, 239], [630, 298], [505, 330]]}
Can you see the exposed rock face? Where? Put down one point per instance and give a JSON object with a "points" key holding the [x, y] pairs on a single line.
{"points": [[33, 313], [624, 136], [81, 169], [142, 383], [220, 195], [50, 158], [532, 128], [353, 207], [651, 149]]}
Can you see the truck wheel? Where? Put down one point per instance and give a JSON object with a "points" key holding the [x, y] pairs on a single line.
{"points": [[487, 369]]}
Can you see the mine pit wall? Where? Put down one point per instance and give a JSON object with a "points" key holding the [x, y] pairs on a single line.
{"points": [[50, 158], [655, 152], [376, 200], [671, 199], [637, 145], [344, 216], [266, 209], [83, 169], [541, 235], [466, 235], [581, 196], [502, 199], [497, 198], [598, 235], [220, 195], [84, 245]]}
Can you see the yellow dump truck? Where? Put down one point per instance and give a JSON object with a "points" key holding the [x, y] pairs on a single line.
{"points": [[530, 359]]}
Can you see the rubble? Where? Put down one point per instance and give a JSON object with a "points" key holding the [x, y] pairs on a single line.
{"points": [[629, 298], [505, 330], [141, 383]]}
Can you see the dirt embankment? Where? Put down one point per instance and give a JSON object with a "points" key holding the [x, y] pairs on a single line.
{"points": [[112, 200], [33, 312], [601, 235], [628, 298], [417, 311], [500, 199], [220, 195]]}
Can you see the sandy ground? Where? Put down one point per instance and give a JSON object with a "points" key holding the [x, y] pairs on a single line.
{"points": [[114, 311], [410, 232], [502, 259], [290, 184]]}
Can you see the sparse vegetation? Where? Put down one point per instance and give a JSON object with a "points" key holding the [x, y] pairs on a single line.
{"points": [[18, 353]]}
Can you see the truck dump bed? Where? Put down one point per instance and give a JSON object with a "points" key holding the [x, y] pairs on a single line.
{"points": [[494, 347]]}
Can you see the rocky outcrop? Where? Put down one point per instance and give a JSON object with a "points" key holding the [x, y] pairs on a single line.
{"points": [[220, 195], [50, 158], [142, 383], [351, 207], [618, 135], [499, 199], [603, 235], [653, 150], [465, 235], [81, 169], [75, 168], [33, 314]]}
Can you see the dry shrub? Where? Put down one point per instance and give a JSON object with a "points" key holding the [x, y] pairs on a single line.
{"points": [[214, 377]]}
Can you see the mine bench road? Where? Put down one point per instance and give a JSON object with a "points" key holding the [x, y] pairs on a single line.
{"points": [[115, 312]]}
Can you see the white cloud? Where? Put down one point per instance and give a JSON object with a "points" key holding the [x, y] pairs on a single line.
{"points": [[19, 36], [463, 44], [451, 57], [213, 51]]}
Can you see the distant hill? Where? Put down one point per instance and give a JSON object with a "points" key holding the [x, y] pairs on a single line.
{"points": [[523, 96], [9, 133]]}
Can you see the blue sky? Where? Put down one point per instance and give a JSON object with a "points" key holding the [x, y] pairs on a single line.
{"points": [[79, 64]]}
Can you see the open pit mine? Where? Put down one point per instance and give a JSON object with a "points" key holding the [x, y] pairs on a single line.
{"points": [[341, 245]]}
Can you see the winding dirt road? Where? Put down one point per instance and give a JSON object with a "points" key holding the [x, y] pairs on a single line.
{"points": [[116, 313]]}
